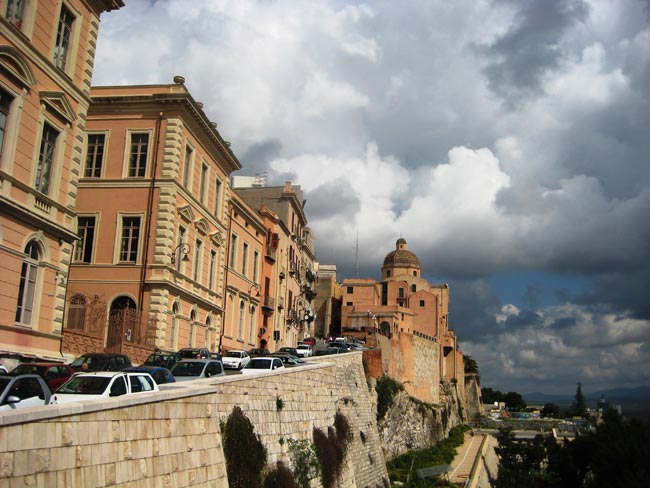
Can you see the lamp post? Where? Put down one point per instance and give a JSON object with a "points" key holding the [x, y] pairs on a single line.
{"points": [[182, 251]]}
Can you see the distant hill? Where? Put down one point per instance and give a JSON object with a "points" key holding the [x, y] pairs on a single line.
{"points": [[635, 402]]}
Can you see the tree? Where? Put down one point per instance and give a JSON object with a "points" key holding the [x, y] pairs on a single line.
{"points": [[514, 401], [245, 453], [521, 462], [579, 407], [551, 410], [471, 366]]}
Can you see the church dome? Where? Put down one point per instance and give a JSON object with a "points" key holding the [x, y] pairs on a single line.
{"points": [[401, 257]]}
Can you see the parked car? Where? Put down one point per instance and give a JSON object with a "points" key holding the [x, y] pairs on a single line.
{"points": [[54, 374], [194, 353], [309, 340], [194, 369], [162, 359], [25, 390], [339, 345], [236, 359], [258, 351], [103, 384], [304, 350], [287, 360], [159, 374], [291, 350], [263, 364], [297, 359], [100, 362]]}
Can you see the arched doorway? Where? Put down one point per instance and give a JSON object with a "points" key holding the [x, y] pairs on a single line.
{"points": [[122, 322]]}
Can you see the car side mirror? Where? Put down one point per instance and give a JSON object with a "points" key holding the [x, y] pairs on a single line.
{"points": [[207, 374], [13, 399]]}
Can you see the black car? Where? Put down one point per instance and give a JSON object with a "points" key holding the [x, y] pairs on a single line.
{"points": [[291, 350], [258, 351], [194, 353], [160, 374], [101, 362], [163, 359]]}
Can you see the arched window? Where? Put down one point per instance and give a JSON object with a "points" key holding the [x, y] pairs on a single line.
{"points": [[192, 325], [77, 312], [27, 287], [174, 326], [242, 314]]}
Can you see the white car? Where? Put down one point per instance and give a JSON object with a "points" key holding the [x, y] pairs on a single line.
{"points": [[263, 364], [103, 384], [304, 350], [235, 359]]}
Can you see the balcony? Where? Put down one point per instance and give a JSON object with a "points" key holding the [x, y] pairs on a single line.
{"points": [[268, 304]]}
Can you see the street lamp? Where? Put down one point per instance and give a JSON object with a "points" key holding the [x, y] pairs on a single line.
{"points": [[183, 251], [256, 286]]}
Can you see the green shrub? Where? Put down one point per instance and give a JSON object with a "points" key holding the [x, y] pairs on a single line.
{"points": [[332, 447], [280, 477], [441, 453], [245, 453], [304, 460], [386, 389]]}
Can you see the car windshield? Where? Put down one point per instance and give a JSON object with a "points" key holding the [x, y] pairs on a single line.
{"points": [[188, 369], [92, 362], [259, 364], [233, 354], [188, 353], [85, 385], [29, 369]]}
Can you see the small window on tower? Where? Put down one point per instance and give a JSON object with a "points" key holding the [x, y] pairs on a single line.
{"points": [[350, 289], [421, 303]]}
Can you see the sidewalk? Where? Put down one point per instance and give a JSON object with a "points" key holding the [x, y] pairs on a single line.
{"points": [[465, 456]]}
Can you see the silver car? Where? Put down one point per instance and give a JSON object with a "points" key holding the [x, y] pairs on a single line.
{"points": [[195, 369]]}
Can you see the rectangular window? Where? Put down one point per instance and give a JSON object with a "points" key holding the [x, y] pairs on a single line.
{"points": [[5, 105], [15, 12], [186, 167], [130, 239], [198, 252], [401, 293], [95, 155], [244, 259], [86, 232], [45, 159], [350, 289], [348, 304], [204, 180], [138, 155], [384, 293], [233, 251], [217, 198], [213, 266], [421, 303], [63, 34], [256, 259]]}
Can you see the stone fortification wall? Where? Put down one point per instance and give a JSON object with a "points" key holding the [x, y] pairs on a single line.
{"points": [[473, 402], [410, 425], [173, 438]]}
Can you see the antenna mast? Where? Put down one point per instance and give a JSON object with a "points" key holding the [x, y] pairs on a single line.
{"points": [[356, 258]]}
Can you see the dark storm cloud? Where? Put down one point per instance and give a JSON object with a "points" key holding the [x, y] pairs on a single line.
{"points": [[523, 55], [563, 323], [258, 154], [472, 310], [333, 200], [525, 318]]}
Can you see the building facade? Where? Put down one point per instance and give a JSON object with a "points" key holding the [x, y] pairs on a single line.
{"points": [[292, 246], [47, 51], [154, 218], [407, 318]]}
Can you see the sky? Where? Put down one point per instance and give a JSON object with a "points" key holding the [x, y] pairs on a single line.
{"points": [[507, 141]]}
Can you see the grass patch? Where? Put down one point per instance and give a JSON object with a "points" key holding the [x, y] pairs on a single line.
{"points": [[441, 453]]}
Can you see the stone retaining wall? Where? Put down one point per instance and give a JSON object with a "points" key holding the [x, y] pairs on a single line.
{"points": [[173, 438]]}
